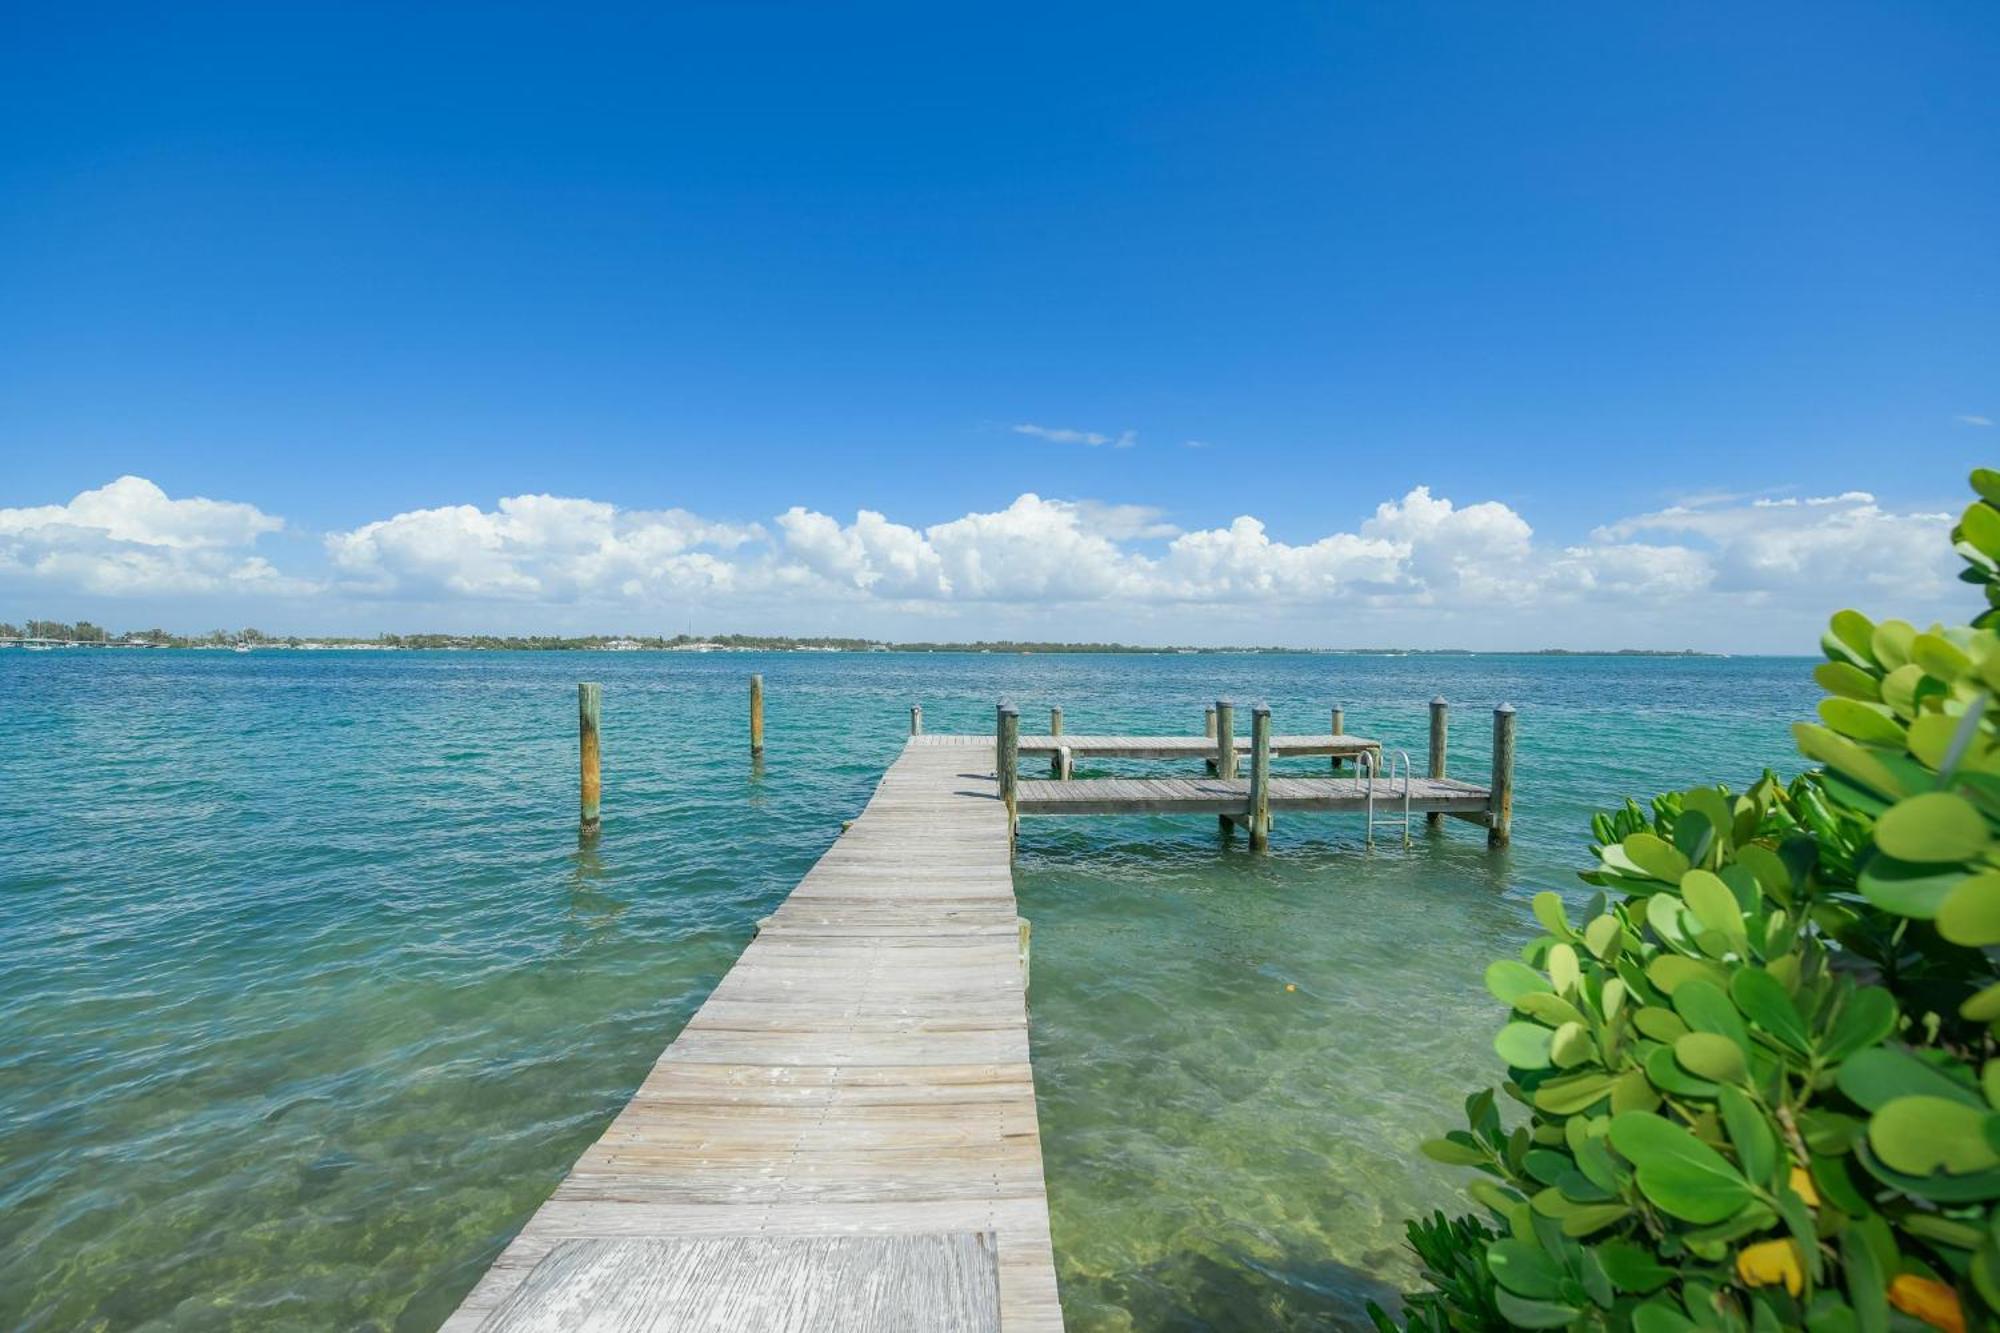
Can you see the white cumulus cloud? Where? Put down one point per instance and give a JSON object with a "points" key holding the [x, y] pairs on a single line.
{"points": [[537, 548], [130, 537], [1423, 568]]}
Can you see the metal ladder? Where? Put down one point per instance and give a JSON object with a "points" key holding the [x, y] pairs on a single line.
{"points": [[1390, 760]]}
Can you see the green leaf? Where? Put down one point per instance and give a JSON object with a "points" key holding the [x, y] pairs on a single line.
{"points": [[1848, 681], [1856, 633], [1524, 1268], [1891, 643], [1653, 855], [1683, 1176], [1712, 903], [1602, 936], [1713, 1057], [1870, 724], [1937, 655], [1908, 888], [1509, 980], [1452, 1153], [1632, 1267], [1919, 1135], [1666, 1074], [1549, 1008], [1970, 914], [1706, 1009], [1979, 526], [1659, 1024], [1577, 1092], [1876, 1077], [1868, 1016], [1986, 484], [1670, 972], [1844, 756], [1533, 1314], [1770, 871], [1571, 1046], [1936, 826], [1983, 1007], [1764, 1000], [1564, 970], [1750, 1133], [1659, 1316], [1867, 1284], [1548, 909], [1524, 1045]]}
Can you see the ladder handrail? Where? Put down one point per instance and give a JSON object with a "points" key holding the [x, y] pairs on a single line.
{"points": [[1388, 769]]}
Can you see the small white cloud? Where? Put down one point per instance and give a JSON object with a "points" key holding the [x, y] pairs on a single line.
{"points": [[1124, 439], [1972, 419], [536, 548], [129, 537], [1194, 444]]}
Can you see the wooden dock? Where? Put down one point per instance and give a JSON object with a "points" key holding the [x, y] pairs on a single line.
{"points": [[844, 1135]]}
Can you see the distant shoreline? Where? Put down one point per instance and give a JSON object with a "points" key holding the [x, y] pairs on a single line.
{"points": [[85, 635]]}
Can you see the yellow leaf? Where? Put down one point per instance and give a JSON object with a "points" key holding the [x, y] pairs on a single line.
{"points": [[1772, 1261], [1929, 1300]]}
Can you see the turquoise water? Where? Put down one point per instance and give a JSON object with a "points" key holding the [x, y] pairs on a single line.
{"points": [[310, 997]]}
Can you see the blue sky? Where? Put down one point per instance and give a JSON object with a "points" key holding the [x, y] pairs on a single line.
{"points": [[1586, 264]]}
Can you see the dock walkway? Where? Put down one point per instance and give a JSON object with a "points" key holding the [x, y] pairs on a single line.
{"points": [[844, 1135]]}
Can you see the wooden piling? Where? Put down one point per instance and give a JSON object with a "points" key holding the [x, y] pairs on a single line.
{"points": [[1225, 739], [1260, 778], [1224, 763], [1500, 805], [1339, 728], [1208, 730], [1055, 729], [1440, 721], [588, 695], [757, 714], [916, 719], [1009, 764]]}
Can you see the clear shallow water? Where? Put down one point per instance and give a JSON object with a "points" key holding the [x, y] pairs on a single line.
{"points": [[308, 997]]}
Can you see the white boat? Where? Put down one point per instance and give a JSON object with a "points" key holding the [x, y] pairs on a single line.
{"points": [[242, 647]]}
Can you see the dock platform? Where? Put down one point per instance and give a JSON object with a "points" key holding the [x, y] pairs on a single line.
{"points": [[1231, 796], [1187, 747], [861, 1072]]}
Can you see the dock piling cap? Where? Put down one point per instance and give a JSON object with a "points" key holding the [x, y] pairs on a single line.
{"points": [[1437, 701], [1006, 707], [1504, 708], [1260, 710]]}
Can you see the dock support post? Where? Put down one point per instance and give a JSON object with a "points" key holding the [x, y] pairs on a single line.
{"points": [[756, 715], [1208, 730], [1225, 749], [916, 719], [1260, 778], [1026, 929], [588, 694], [1055, 729], [1500, 807], [1339, 729], [1440, 720], [1009, 764]]}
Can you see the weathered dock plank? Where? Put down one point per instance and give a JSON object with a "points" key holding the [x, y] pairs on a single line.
{"points": [[801, 1284], [862, 1070]]}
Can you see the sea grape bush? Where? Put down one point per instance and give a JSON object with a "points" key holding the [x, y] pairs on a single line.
{"points": [[1759, 1068]]}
